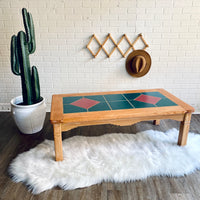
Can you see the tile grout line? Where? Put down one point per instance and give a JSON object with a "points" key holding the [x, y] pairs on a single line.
{"points": [[107, 102], [84, 97], [128, 101]]}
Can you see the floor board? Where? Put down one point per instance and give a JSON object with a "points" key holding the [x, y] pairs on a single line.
{"points": [[12, 142]]}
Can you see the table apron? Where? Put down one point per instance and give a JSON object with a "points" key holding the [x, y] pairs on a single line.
{"points": [[120, 122]]}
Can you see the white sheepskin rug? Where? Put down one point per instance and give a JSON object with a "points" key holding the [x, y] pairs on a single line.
{"points": [[112, 157]]}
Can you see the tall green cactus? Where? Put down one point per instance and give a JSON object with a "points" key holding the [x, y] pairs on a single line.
{"points": [[21, 46]]}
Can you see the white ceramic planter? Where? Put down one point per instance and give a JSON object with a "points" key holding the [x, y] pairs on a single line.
{"points": [[29, 119]]}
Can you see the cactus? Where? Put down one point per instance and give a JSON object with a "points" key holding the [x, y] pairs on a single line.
{"points": [[21, 46]]}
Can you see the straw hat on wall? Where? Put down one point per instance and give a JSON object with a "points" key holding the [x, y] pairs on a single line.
{"points": [[138, 63]]}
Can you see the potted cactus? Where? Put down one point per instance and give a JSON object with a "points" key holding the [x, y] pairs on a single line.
{"points": [[28, 110]]}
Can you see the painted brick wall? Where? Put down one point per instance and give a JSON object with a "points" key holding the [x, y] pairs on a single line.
{"points": [[64, 27]]}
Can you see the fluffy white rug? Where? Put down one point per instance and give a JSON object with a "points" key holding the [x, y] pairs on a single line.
{"points": [[111, 157]]}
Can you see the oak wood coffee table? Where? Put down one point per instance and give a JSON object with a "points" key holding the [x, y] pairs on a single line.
{"points": [[120, 108]]}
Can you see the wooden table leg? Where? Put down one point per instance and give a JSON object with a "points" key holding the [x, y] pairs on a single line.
{"points": [[58, 142], [156, 122], [184, 129]]}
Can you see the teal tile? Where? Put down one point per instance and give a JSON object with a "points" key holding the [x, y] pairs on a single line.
{"points": [[154, 94], [117, 105], [131, 96], [68, 100], [100, 107], [139, 104], [165, 102], [114, 97], [96, 98], [73, 109]]}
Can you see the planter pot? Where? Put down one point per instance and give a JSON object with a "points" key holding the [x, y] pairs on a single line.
{"points": [[28, 118]]}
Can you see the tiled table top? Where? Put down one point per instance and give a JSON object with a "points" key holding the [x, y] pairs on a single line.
{"points": [[77, 104]]}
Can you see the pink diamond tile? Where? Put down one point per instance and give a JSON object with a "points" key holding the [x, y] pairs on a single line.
{"points": [[148, 99], [85, 103]]}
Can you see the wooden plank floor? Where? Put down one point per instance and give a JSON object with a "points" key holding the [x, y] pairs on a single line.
{"points": [[153, 188]]}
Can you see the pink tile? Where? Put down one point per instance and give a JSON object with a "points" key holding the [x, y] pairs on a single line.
{"points": [[148, 99], [85, 103]]}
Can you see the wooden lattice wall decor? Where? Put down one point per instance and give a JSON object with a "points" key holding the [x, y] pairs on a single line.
{"points": [[116, 45]]}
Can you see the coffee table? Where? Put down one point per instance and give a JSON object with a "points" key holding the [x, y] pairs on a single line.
{"points": [[119, 108]]}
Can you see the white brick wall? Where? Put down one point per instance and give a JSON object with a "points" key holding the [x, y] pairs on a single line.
{"points": [[64, 27]]}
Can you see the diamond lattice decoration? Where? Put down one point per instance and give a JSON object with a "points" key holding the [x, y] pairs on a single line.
{"points": [[94, 38], [101, 45]]}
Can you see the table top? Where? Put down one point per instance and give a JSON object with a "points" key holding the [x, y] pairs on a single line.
{"points": [[65, 106], [91, 103]]}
